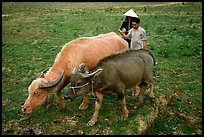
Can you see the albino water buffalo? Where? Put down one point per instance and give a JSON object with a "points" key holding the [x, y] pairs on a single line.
{"points": [[116, 73], [82, 50]]}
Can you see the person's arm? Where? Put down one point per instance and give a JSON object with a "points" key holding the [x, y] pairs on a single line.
{"points": [[144, 38], [124, 36], [145, 45]]}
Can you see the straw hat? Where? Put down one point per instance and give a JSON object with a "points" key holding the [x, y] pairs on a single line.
{"points": [[131, 13]]}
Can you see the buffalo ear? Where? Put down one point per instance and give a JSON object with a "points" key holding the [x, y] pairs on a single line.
{"points": [[42, 75], [82, 68]]}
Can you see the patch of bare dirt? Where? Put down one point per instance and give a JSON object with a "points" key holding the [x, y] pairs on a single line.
{"points": [[5, 15], [12, 127], [145, 122]]}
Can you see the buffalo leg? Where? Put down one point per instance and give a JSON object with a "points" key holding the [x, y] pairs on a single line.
{"points": [[142, 86], [135, 91], [98, 102], [151, 95], [151, 81], [58, 93], [121, 99], [124, 108], [59, 98], [85, 103]]}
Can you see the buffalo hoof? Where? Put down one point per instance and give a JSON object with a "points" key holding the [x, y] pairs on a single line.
{"points": [[152, 100], [125, 113], [124, 116], [91, 123], [61, 105], [67, 97], [137, 105]]}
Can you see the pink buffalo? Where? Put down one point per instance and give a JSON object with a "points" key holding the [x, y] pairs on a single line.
{"points": [[87, 50]]}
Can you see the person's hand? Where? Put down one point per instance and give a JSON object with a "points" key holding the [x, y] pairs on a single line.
{"points": [[123, 30], [119, 31]]}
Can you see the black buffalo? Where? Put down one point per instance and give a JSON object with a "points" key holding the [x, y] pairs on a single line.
{"points": [[115, 73]]}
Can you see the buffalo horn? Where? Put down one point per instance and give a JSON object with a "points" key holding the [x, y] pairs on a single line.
{"points": [[87, 75], [51, 83], [74, 70]]}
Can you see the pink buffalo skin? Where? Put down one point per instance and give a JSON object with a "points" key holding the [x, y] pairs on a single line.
{"points": [[87, 50]]}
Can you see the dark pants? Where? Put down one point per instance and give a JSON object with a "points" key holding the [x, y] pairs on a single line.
{"points": [[128, 42]]}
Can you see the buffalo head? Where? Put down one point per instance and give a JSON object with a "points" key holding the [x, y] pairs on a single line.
{"points": [[38, 92], [79, 80]]}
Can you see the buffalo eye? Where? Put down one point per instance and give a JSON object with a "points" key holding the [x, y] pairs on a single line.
{"points": [[36, 93]]}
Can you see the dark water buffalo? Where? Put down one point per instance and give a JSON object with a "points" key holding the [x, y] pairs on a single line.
{"points": [[115, 73]]}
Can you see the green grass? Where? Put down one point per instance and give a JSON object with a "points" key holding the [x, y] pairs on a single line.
{"points": [[34, 33]]}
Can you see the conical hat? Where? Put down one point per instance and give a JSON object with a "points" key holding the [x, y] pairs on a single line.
{"points": [[131, 13]]}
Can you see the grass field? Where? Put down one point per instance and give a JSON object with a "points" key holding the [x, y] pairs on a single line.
{"points": [[34, 33]]}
